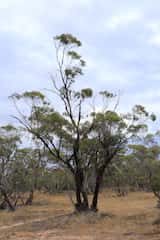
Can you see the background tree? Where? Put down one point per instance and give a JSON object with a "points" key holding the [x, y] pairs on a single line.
{"points": [[9, 141]]}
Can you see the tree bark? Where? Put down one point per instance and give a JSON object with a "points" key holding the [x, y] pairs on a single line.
{"points": [[96, 192], [6, 199], [81, 194], [29, 200]]}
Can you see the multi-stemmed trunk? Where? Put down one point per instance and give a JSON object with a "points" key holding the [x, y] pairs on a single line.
{"points": [[81, 192], [82, 203]]}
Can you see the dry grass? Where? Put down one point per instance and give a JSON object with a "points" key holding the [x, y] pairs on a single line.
{"points": [[52, 217]]}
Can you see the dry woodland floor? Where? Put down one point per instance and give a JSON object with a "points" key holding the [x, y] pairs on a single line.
{"points": [[134, 217]]}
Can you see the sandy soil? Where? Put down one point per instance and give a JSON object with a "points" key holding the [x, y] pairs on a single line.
{"points": [[51, 217]]}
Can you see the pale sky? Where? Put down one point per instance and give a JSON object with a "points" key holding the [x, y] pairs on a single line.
{"points": [[121, 44]]}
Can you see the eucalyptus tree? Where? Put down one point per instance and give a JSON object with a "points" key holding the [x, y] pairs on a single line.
{"points": [[56, 180], [77, 137], [152, 157], [9, 141], [19, 169], [27, 170], [111, 132], [139, 166]]}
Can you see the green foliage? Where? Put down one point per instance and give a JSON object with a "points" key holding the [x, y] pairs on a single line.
{"points": [[71, 73], [8, 128], [136, 128], [68, 39], [107, 94], [34, 95], [86, 93], [153, 117], [112, 117], [140, 110], [56, 180], [155, 183], [74, 55]]}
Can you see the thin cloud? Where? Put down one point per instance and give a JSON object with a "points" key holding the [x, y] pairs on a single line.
{"points": [[120, 39], [124, 19]]}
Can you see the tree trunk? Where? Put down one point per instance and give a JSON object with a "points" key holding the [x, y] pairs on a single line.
{"points": [[3, 205], [96, 192], [29, 200], [99, 178], [85, 199], [6, 199], [78, 203], [78, 193], [81, 194], [98, 183]]}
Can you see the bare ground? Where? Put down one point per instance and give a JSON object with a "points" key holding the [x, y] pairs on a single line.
{"points": [[51, 217]]}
